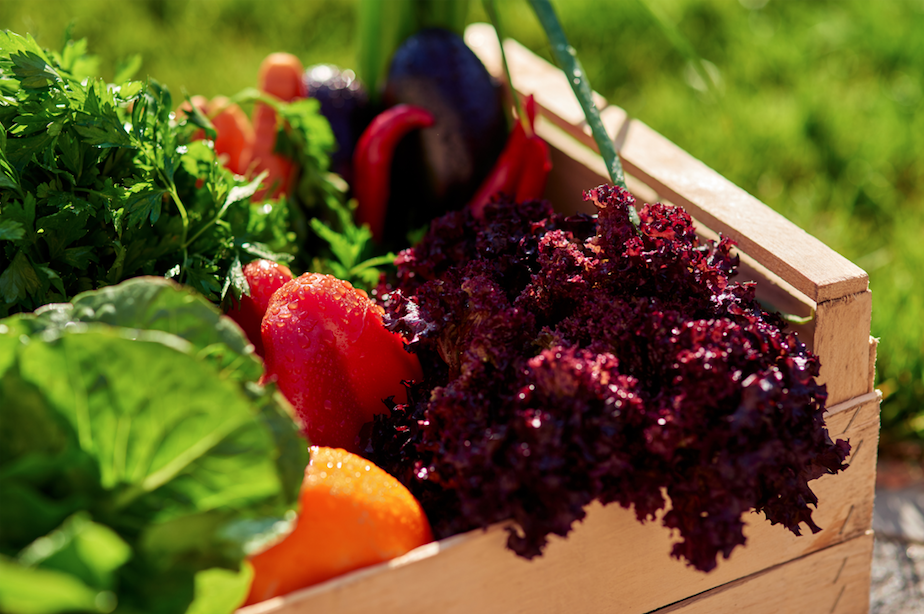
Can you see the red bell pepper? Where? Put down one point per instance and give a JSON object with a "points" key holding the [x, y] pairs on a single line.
{"points": [[534, 171], [505, 173], [372, 161], [264, 277]]}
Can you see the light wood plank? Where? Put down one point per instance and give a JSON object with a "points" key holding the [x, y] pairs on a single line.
{"points": [[873, 348], [841, 342], [832, 581], [577, 168], [787, 250]]}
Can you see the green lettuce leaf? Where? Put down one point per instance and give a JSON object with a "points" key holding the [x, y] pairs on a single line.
{"points": [[30, 590], [134, 415], [220, 590]]}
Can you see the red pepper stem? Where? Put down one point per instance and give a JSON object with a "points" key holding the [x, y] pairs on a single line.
{"points": [[528, 120], [372, 161]]}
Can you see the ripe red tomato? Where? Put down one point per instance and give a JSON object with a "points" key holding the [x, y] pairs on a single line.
{"points": [[264, 277]]}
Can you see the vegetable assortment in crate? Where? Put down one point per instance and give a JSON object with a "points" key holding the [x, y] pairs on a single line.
{"points": [[610, 561]]}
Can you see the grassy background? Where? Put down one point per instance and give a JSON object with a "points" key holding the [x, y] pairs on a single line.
{"points": [[817, 108]]}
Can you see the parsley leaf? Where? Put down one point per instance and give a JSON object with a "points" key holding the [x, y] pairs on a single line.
{"points": [[102, 182]]}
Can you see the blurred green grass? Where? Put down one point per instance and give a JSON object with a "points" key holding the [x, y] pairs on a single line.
{"points": [[817, 109]]}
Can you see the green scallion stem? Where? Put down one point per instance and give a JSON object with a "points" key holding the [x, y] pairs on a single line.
{"points": [[490, 7], [566, 58]]}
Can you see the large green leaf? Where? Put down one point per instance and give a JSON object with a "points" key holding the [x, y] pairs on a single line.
{"points": [[137, 407], [87, 549], [8, 345], [157, 420], [220, 590], [26, 590], [157, 304]]}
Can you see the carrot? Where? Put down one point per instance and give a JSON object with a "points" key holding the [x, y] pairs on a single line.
{"points": [[281, 75], [235, 139]]}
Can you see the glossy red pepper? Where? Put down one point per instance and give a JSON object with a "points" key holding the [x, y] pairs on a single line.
{"points": [[505, 173], [372, 161], [264, 277], [537, 164], [522, 168]]}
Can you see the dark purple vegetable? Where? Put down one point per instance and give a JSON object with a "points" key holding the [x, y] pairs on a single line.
{"points": [[345, 104], [573, 359], [440, 169]]}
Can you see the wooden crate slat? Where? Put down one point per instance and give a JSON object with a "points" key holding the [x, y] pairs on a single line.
{"points": [[841, 341], [624, 566], [800, 259], [873, 347], [838, 333], [831, 581]]}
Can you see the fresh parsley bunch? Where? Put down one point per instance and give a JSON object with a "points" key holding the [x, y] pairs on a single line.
{"points": [[102, 182]]}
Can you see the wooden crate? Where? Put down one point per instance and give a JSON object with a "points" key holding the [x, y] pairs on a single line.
{"points": [[611, 562]]}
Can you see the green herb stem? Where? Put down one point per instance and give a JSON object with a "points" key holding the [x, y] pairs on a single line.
{"points": [[566, 58], [204, 227], [235, 195], [181, 209], [171, 188], [490, 7]]}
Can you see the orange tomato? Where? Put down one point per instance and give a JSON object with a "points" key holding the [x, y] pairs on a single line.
{"points": [[353, 514]]}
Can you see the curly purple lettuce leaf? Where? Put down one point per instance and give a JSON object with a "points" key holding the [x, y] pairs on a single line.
{"points": [[582, 358]]}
